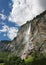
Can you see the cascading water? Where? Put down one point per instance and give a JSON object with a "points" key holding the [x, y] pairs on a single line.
{"points": [[27, 41]]}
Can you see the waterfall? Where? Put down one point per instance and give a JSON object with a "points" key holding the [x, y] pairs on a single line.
{"points": [[27, 42]]}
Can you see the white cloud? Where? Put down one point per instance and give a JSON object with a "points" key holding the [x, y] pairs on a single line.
{"points": [[23, 10], [4, 28], [2, 16], [11, 31]]}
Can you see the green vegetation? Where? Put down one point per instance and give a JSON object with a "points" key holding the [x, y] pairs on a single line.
{"points": [[41, 61], [36, 61], [3, 56], [1, 63], [14, 60], [29, 59], [6, 59]]}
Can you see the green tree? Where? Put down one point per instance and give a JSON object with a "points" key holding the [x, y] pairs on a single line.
{"points": [[14, 60]]}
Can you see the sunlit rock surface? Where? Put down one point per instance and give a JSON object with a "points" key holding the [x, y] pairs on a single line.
{"points": [[31, 37]]}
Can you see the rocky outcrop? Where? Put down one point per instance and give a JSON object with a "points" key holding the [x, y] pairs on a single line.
{"points": [[31, 37]]}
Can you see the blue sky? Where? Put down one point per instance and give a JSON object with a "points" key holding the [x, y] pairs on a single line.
{"points": [[5, 9], [4, 5], [14, 13]]}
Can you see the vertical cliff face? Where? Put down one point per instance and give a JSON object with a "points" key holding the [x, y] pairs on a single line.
{"points": [[31, 37]]}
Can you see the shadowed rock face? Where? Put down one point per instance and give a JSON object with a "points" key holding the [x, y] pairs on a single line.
{"points": [[31, 37]]}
